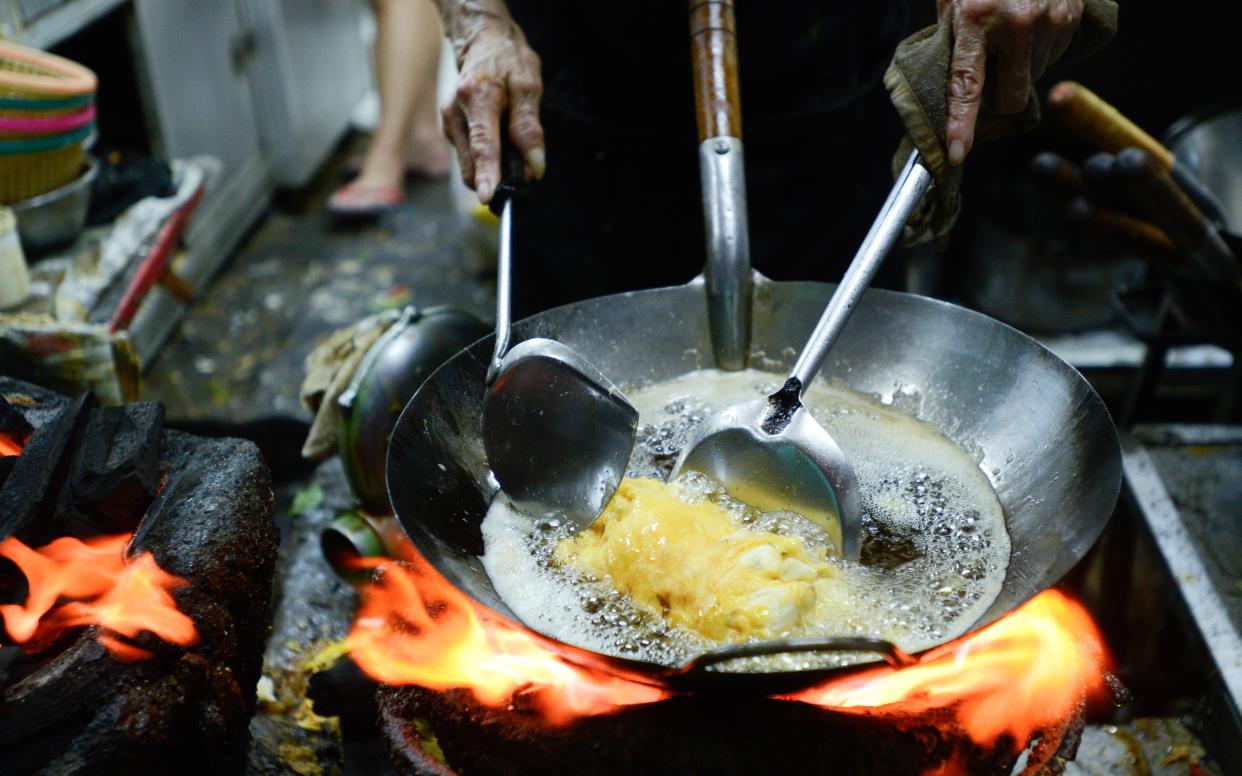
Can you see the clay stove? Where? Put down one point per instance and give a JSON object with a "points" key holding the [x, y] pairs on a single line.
{"points": [[88, 683]]}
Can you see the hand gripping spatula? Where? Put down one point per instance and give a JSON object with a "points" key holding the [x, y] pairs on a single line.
{"points": [[557, 433], [770, 453]]}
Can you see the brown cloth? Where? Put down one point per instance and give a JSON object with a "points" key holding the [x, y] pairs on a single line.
{"points": [[330, 368], [918, 84]]}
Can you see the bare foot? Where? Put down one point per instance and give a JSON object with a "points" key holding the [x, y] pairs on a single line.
{"points": [[382, 168], [427, 153]]}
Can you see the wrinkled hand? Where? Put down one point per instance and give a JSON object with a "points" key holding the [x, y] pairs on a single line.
{"points": [[1020, 38], [499, 71]]}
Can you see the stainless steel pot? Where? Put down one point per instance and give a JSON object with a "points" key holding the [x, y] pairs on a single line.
{"points": [[1209, 145], [55, 219], [1047, 442]]}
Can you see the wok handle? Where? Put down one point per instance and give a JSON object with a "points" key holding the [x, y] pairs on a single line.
{"points": [[713, 54], [718, 108], [1108, 129], [912, 183], [892, 654], [1100, 124], [1169, 207]]}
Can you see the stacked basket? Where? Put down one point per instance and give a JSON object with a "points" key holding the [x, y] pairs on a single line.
{"points": [[47, 114]]}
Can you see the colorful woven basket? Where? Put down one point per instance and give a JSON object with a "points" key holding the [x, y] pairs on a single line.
{"points": [[46, 112]]}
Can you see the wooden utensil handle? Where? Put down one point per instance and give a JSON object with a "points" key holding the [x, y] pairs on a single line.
{"points": [[1102, 125], [713, 52]]}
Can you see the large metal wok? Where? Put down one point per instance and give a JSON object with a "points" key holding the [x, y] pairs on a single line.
{"points": [[1049, 446]]}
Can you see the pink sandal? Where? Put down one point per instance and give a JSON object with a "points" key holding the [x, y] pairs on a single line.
{"points": [[354, 201]]}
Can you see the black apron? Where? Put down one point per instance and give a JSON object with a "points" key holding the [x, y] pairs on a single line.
{"points": [[620, 207]]}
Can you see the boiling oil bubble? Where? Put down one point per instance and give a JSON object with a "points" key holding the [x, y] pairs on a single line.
{"points": [[934, 545]]}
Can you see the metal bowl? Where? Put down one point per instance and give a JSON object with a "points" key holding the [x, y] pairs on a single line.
{"points": [[1209, 144], [55, 219]]}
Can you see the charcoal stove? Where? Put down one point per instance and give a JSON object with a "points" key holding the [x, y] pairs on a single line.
{"points": [[93, 700], [1171, 724]]}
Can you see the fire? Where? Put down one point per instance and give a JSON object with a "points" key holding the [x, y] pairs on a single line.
{"points": [[9, 446], [76, 583], [414, 627], [1018, 675]]}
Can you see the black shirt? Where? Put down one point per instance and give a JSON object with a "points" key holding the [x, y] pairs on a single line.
{"points": [[628, 61]]}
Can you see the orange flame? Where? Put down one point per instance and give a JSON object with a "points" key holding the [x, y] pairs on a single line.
{"points": [[123, 597], [414, 627], [9, 446], [1018, 675]]}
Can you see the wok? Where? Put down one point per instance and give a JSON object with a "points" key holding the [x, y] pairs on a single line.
{"points": [[1047, 442]]}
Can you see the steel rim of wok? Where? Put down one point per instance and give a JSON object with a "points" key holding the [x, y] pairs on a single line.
{"points": [[1048, 444]]}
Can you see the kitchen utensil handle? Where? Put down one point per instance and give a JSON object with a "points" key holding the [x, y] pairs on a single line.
{"points": [[912, 183], [713, 54], [718, 108], [891, 653], [1100, 124], [1173, 211], [1108, 129], [512, 182]]}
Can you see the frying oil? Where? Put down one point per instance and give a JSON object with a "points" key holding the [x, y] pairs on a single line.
{"points": [[934, 545]]}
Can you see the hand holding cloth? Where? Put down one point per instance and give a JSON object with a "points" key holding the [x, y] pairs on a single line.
{"points": [[918, 84]]}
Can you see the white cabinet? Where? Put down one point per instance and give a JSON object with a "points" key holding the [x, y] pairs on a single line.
{"points": [[309, 73], [196, 56]]}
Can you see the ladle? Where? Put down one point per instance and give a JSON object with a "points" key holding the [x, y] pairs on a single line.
{"points": [[557, 433], [770, 453]]}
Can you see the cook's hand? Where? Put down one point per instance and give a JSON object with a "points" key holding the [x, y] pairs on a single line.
{"points": [[499, 71], [1023, 37]]}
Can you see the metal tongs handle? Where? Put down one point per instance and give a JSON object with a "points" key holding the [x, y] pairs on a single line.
{"points": [[513, 181], [911, 185]]}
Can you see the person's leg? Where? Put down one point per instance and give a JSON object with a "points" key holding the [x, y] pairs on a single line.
{"points": [[426, 150], [407, 58]]}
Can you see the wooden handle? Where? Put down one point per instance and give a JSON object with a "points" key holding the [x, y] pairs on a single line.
{"points": [[1102, 125], [713, 53], [1135, 230], [1161, 200]]}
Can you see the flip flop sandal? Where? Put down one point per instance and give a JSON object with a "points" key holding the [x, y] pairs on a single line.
{"points": [[353, 201]]}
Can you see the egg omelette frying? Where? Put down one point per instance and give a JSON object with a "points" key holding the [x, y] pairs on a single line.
{"points": [[692, 562]]}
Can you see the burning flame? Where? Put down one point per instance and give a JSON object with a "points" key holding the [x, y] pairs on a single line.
{"points": [[414, 627], [77, 583], [1019, 675], [9, 446]]}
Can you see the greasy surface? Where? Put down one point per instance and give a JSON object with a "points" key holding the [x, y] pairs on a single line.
{"points": [[1155, 746], [1205, 482], [312, 608], [238, 356], [183, 710]]}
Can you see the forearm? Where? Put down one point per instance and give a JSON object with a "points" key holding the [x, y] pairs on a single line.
{"points": [[465, 20]]}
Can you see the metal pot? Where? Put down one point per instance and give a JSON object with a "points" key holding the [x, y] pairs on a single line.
{"points": [[392, 370], [1209, 146], [1048, 444], [55, 219]]}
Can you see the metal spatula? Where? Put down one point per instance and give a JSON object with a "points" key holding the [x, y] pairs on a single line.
{"points": [[557, 433], [770, 453]]}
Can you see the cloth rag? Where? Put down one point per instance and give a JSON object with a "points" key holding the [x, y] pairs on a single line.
{"points": [[918, 84], [330, 368]]}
